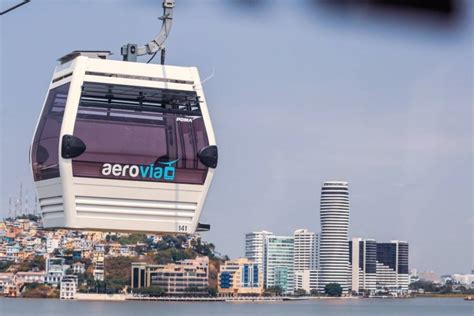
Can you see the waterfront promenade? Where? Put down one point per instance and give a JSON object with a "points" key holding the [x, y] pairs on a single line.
{"points": [[243, 299]]}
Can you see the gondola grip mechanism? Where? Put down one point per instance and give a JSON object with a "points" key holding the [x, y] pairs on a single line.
{"points": [[130, 52]]}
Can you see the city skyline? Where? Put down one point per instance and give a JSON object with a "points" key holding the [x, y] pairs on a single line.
{"points": [[393, 117], [257, 240], [312, 261]]}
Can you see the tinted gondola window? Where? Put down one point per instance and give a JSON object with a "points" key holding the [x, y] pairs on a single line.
{"points": [[44, 153], [138, 133]]}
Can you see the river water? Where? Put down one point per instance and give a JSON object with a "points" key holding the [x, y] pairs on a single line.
{"points": [[354, 307]]}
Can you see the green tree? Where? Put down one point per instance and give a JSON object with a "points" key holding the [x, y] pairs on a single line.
{"points": [[204, 249], [172, 255], [300, 292], [37, 263], [35, 290], [333, 289], [426, 286], [314, 292], [152, 291], [117, 273], [4, 265], [132, 239], [274, 291]]}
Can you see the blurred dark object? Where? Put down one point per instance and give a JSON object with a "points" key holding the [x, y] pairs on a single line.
{"points": [[249, 5], [436, 6], [444, 9]]}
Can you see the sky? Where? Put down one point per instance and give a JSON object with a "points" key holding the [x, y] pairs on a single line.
{"points": [[302, 93]]}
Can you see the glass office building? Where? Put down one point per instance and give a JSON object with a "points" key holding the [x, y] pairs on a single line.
{"points": [[279, 269]]}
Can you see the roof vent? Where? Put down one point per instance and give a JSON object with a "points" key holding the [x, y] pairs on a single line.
{"points": [[101, 54]]}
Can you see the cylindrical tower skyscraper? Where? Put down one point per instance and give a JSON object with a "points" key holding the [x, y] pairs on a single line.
{"points": [[334, 249]]}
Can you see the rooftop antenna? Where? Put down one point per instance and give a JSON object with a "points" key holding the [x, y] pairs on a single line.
{"points": [[10, 210], [27, 207], [15, 208], [36, 205], [130, 52], [20, 199]]}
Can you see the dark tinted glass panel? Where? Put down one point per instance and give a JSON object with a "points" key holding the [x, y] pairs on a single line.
{"points": [[142, 278], [387, 254], [371, 250], [135, 278], [403, 258], [44, 153], [136, 133], [350, 251]]}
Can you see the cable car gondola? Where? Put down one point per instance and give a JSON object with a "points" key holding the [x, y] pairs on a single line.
{"points": [[123, 146]]}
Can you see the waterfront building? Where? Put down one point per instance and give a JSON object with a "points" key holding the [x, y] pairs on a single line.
{"points": [[362, 265], [255, 247], [240, 277], [307, 280], [55, 270], [30, 277], [334, 247], [392, 266], [464, 279], [175, 278], [68, 288], [306, 248], [7, 283], [278, 261]]}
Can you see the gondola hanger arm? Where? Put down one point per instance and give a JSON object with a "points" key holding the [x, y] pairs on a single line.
{"points": [[130, 52]]}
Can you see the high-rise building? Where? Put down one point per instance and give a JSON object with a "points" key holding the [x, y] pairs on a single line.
{"points": [[279, 263], [392, 266], [306, 250], [255, 247], [334, 247], [362, 264]]}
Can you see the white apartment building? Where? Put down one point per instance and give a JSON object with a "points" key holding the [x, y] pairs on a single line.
{"points": [[68, 288], [307, 280], [99, 267], [306, 250], [464, 279], [55, 270], [52, 244], [78, 268], [334, 248], [255, 247]]}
